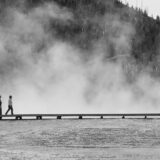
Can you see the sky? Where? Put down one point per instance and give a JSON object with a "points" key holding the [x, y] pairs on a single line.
{"points": [[152, 6]]}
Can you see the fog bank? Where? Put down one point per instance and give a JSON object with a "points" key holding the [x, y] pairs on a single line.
{"points": [[47, 73]]}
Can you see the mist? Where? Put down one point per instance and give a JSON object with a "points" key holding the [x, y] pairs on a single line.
{"points": [[48, 73]]}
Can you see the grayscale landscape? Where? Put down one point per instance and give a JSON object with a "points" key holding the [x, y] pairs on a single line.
{"points": [[93, 139], [74, 57]]}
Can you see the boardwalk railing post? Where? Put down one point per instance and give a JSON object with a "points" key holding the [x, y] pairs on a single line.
{"points": [[80, 117], [38, 117], [145, 117], [59, 117], [123, 117], [101, 117], [18, 117]]}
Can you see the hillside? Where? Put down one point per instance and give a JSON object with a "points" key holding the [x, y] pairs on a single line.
{"points": [[89, 26], [111, 25]]}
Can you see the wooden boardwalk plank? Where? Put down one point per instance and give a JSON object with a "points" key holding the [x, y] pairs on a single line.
{"points": [[81, 116]]}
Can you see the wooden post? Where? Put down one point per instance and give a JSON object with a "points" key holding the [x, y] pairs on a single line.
{"points": [[80, 117], [145, 117], [59, 117], [123, 117], [18, 117], [38, 117], [101, 117]]}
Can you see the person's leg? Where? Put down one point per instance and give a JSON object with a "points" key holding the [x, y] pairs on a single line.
{"points": [[7, 111], [12, 110], [0, 112]]}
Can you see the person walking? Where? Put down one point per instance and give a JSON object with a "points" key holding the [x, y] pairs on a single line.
{"points": [[10, 106], [0, 107]]}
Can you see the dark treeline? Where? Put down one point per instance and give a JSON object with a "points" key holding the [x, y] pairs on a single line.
{"points": [[87, 28], [145, 43]]}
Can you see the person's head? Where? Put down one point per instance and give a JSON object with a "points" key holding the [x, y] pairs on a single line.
{"points": [[10, 97]]}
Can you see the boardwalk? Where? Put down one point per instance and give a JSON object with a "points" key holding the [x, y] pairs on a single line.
{"points": [[79, 116]]}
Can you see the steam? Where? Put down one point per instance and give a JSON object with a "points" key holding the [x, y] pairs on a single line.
{"points": [[48, 74]]}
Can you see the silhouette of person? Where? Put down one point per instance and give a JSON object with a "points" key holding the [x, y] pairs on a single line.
{"points": [[0, 107], [10, 107]]}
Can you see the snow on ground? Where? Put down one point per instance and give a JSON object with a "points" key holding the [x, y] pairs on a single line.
{"points": [[96, 139]]}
